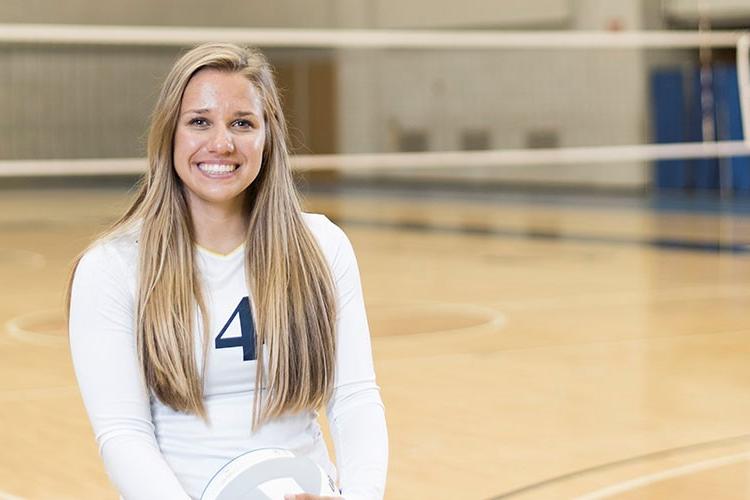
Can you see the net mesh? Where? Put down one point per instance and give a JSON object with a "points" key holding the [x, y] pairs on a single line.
{"points": [[91, 100]]}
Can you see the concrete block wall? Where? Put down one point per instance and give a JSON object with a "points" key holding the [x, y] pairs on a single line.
{"points": [[77, 102], [577, 98]]}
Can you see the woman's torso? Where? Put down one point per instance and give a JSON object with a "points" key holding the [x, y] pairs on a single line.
{"points": [[197, 449]]}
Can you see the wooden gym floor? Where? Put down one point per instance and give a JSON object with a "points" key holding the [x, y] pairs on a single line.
{"points": [[527, 347]]}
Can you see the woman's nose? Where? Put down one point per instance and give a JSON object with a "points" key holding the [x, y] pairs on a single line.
{"points": [[222, 142]]}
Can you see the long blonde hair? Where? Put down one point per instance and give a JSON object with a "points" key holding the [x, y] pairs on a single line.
{"points": [[293, 299]]}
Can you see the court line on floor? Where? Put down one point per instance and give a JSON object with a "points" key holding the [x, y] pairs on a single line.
{"points": [[494, 319], [620, 463], [657, 477], [501, 351], [542, 234], [627, 298], [589, 342], [8, 496], [15, 329], [35, 260], [497, 195]]}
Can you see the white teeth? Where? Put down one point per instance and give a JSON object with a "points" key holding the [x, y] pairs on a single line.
{"points": [[216, 168]]}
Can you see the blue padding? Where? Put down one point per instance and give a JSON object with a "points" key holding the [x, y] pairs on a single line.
{"points": [[668, 115], [729, 123]]}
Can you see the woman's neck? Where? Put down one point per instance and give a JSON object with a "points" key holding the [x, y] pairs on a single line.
{"points": [[220, 229]]}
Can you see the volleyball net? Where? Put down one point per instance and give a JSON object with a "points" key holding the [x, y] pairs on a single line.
{"points": [[605, 108]]}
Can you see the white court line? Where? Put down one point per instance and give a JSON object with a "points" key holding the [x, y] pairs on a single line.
{"points": [[656, 477], [492, 318], [8, 496], [34, 259], [15, 328], [626, 298]]}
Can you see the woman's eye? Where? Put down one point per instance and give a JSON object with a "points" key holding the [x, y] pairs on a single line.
{"points": [[200, 122], [243, 124]]}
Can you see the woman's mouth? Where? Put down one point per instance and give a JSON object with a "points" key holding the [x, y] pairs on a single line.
{"points": [[217, 169]]}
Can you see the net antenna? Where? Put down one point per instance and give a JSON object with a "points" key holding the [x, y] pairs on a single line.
{"points": [[709, 122], [705, 57]]}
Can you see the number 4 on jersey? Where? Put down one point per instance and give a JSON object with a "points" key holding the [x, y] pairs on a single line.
{"points": [[247, 339]]}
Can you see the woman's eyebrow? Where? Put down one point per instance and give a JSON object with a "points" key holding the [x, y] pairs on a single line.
{"points": [[196, 111], [206, 110]]}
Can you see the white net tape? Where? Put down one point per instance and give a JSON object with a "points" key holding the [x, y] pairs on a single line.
{"points": [[359, 39]]}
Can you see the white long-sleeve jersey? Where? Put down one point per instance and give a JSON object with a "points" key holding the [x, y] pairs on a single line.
{"points": [[153, 452]]}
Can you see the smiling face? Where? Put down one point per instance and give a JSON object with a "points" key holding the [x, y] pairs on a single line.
{"points": [[218, 144]]}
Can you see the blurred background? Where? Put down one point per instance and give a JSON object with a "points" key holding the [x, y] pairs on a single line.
{"points": [[548, 200]]}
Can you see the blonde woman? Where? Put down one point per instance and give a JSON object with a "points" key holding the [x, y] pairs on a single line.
{"points": [[215, 317]]}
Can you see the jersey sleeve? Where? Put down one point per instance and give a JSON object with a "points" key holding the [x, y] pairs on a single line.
{"points": [[103, 348], [355, 412]]}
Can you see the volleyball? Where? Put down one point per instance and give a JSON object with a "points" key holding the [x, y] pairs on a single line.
{"points": [[268, 474]]}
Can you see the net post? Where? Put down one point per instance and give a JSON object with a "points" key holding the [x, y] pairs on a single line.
{"points": [[743, 81]]}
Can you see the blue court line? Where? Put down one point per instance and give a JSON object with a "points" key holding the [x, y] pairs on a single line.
{"points": [[547, 235], [692, 203], [700, 205]]}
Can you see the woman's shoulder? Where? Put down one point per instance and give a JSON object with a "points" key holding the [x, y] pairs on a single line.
{"points": [[116, 249], [325, 231], [332, 240]]}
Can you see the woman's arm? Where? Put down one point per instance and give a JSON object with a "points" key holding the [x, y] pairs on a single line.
{"points": [[355, 412], [102, 343]]}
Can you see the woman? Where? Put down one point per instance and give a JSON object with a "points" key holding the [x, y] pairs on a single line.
{"points": [[215, 317]]}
